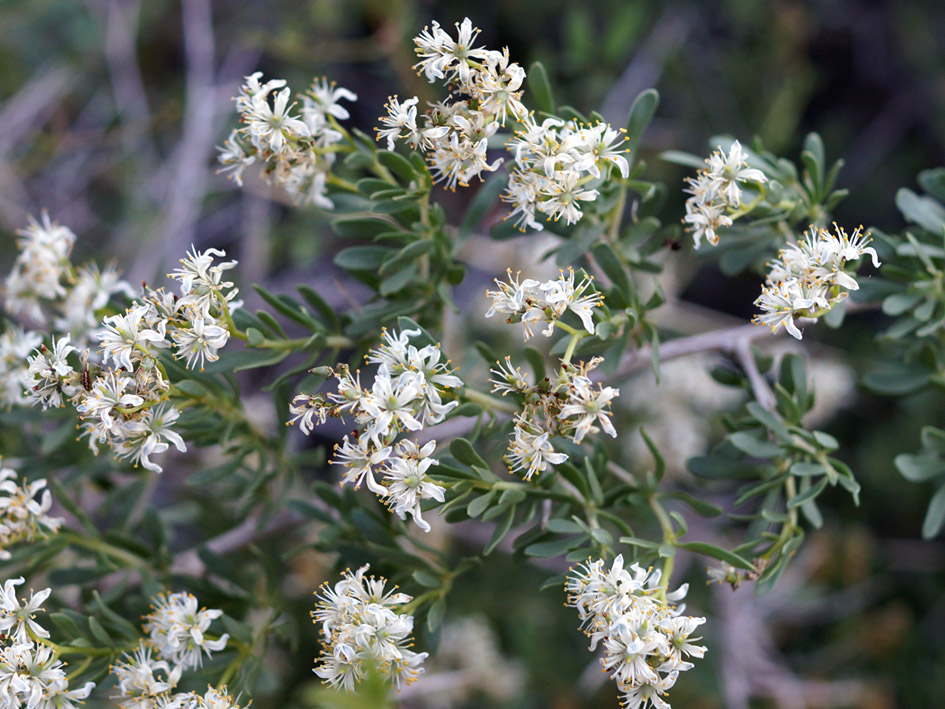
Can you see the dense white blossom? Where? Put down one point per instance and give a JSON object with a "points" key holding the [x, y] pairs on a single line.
{"points": [[406, 395], [645, 638], [717, 193], [809, 277], [24, 511], [362, 629], [531, 302], [293, 142], [177, 629]]}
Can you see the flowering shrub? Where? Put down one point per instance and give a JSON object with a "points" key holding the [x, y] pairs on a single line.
{"points": [[153, 373]]}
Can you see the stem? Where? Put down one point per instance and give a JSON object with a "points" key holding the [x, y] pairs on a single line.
{"points": [[668, 537], [488, 401], [104, 547], [616, 215], [575, 338], [80, 669]]}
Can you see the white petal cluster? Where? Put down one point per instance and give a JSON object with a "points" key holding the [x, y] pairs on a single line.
{"points": [[30, 673], [557, 164], [145, 682], [44, 285], [125, 404], [809, 277], [531, 302], [645, 638], [24, 511], [16, 344], [362, 630], [716, 193], [295, 147], [405, 396], [455, 134], [177, 629], [40, 268], [567, 405]]}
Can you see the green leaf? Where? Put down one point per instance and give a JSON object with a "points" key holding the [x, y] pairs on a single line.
{"points": [[540, 88], [486, 196], [363, 258], [399, 280], [809, 494], [659, 463], [501, 529], [359, 227], [700, 507], [919, 468], [292, 309], [769, 420], [896, 382], [678, 157], [610, 264], [935, 515], [397, 164], [66, 625], [556, 547], [750, 444], [808, 469], [924, 211], [480, 504], [814, 159], [717, 553], [899, 303], [463, 451], [99, 633], [426, 579], [537, 362], [123, 626], [435, 614], [933, 182], [707, 466], [641, 113], [65, 499], [321, 305]]}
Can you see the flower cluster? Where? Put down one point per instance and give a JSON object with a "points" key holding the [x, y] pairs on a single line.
{"points": [[31, 675], [644, 636], [121, 391], [716, 194], [809, 278], [554, 160], [177, 635], [406, 395], [364, 629], [566, 405], [177, 629], [16, 344], [455, 134], [44, 285], [530, 302], [23, 517], [297, 149], [557, 165]]}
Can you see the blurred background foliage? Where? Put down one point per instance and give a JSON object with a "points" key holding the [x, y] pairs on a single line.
{"points": [[110, 113]]}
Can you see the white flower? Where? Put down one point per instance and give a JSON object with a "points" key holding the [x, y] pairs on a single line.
{"points": [[138, 679], [588, 407], [407, 482], [200, 341], [530, 452], [125, 339], [22, 516], [18, 620], [309, 410], [271, 126], [390, 405], [360, 458], [177, 629], [201, 282], [324, 97], [362, 629], [726, 171], [234, 158], [50, 377], [149, 434], [644, 636], [107, 398]]}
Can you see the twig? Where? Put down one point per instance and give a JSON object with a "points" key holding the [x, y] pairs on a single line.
{"points": [[759, 385]]}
